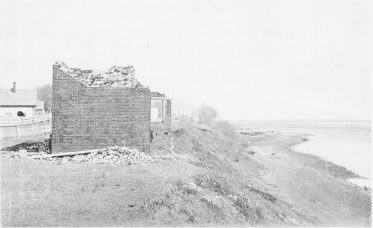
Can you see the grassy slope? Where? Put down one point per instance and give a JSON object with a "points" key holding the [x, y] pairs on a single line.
{"points": [[229, 192]]}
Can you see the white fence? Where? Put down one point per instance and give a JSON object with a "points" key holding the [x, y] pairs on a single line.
{"points": [[22, 126]]}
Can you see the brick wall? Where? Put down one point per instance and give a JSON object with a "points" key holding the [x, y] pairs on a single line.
{"points": [[96, 117]]}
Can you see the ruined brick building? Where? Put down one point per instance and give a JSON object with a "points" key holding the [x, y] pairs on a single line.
{"points": [[95, 109], [161, 111]]}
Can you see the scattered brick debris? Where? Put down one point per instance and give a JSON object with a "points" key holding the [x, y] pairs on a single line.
{"points": [[112, 155], [30, 147]]}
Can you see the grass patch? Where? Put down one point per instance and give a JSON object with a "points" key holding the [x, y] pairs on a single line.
{"points": [[211, 199], [214, 183], [252, 214]]}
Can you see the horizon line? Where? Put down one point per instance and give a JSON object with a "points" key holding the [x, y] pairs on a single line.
{"points": [[299, 120]]}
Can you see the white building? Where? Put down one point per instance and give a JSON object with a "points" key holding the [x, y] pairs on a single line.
{"points": [[14, 101]]}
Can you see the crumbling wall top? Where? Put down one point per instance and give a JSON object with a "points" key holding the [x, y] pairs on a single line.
{"points": [[114, 77], [156, 94]]}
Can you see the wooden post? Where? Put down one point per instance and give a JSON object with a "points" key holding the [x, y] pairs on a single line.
{"points": [[17, 131], [33, 126], [164, 110], [74, 153]]}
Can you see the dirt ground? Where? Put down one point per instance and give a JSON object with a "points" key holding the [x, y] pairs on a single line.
{"points": [[42, 193], [266, 184]]}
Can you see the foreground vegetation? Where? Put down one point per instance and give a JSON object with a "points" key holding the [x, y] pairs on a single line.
{"points": [[227, 192], [200, 178]]}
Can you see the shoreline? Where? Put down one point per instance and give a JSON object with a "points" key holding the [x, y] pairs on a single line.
{"points": [[318, 187], [359, 179]]}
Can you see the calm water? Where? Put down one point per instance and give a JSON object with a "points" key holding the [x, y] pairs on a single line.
{"points": [[345, 143]]}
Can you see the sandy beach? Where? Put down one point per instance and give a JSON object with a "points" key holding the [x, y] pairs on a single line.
{"points": [[317, 187], [354, 154]]}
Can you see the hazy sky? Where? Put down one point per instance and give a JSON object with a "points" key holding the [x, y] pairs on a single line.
{"points": [[248, 59]]}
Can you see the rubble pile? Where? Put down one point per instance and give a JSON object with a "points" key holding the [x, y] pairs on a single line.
{"points": [[30, 147], [114, 77], [112, 155]]}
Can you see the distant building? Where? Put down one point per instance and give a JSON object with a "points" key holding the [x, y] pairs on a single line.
{"points": [[13, 102]]}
